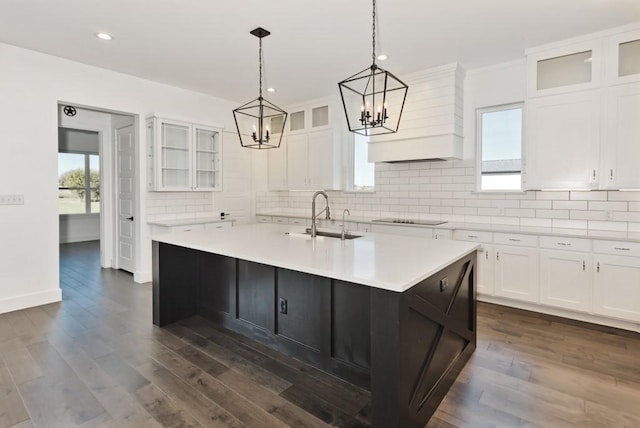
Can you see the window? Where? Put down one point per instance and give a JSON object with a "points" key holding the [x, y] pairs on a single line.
{"points": [[78, 183], [361, 172], [499, 153]]}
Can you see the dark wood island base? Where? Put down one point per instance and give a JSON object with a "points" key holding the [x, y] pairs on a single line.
{"points": [[407, 348]]}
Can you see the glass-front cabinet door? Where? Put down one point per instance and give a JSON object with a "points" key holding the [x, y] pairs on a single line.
{"points": [[624, 58], [207, 166], [564, 69], [183, 156], [175, 162]]}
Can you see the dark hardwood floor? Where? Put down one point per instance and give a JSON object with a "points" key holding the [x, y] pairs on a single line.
{"points": [[96, 360]]}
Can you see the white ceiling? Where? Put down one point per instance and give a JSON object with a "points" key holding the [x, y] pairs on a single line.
{"points": [[205, 45]]}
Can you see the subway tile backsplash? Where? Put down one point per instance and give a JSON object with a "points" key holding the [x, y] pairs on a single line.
{"points": [[179, 205], [445, 190]]}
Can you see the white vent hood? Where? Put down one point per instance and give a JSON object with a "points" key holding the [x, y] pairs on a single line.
{"points": [[432, 120]]}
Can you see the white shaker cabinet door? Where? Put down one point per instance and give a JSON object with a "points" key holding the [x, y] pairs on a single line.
{"points": [[562, 141], [486, 266], [616, 291], [622, 170], [516, 273], [566, 280]]}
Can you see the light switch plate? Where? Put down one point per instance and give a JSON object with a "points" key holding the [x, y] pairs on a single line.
{"points": [[11, 199]]}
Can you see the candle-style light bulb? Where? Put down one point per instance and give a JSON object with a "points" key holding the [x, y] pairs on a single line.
{"points": [[379, 112], [253, 135]]}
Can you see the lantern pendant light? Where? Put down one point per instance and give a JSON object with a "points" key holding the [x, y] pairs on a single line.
{"points": [[260, 124], [373, 99]]}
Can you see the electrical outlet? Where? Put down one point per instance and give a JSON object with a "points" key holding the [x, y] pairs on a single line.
{"points": [[283, 306], [11, 199]]}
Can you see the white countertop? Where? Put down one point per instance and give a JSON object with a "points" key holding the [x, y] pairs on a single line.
{"points": [[389, 262], [187, 221], [549, 231]]}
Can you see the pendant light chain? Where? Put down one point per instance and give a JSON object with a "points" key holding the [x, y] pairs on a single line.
{"points": [[260, 62], [374, 33]]}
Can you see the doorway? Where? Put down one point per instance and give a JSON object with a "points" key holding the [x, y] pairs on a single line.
{"points": [[98, 202]]}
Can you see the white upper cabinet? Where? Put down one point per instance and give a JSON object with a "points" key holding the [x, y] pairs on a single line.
{"points": [[622, 134], [277, 167], [310, 157], [562, 141], [581, 128], [183, 156], [623, 65], [574, 67], [311, 161]]}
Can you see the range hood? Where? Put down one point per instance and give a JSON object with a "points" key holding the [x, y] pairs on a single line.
{"points": [[431, 127], [436, 147]]}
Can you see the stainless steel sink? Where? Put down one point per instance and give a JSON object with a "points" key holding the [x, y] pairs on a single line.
{"points": [[325, 233]]}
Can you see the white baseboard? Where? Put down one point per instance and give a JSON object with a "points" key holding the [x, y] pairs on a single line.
{"points": [[30, 300], [142, 277], [564, 313]]}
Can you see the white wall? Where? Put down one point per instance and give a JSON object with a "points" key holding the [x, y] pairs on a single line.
{"points": [[32, 84]]}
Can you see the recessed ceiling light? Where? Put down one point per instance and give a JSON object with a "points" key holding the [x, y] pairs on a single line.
{"points": [[382, 57], [271, 89], [104, 36]]}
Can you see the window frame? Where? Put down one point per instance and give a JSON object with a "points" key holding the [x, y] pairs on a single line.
{"points": [[478, 164], [350, 168], [87, 180]]}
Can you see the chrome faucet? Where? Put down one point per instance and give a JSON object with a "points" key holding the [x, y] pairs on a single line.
{"points": [[313, 211], [344, 226]]}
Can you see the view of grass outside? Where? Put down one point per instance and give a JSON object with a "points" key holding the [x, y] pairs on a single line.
{"points": [[78, 183]]}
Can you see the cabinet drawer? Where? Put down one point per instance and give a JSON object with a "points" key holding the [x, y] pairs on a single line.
{"points": [[221, 225], [281, 220], [619, 248], [299, 221], [516, 239], [473, 236], [186, 228], [560, 243], [263, 219]]}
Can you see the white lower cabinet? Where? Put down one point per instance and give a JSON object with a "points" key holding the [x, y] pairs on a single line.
{"points": [[221, 225], [516, 273], [486, 266], [264, 219], [364, 227], [566, 280], [616, 287]]}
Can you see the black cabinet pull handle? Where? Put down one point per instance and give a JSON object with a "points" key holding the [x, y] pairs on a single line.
{"points": [[130, 218]]}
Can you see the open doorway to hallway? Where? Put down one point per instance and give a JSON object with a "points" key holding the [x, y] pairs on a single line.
{"points": [[97, 161]]}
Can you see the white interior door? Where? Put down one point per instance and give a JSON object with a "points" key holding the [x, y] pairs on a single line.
{"points": [[126, 184]]}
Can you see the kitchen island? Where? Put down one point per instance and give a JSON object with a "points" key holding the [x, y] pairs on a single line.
{"points": [[390, 313]]}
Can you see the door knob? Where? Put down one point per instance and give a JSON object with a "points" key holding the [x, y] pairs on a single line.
{"points": [[130, 218]]}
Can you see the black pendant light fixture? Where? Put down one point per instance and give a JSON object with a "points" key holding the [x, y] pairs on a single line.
{"points": [[373, 99], [260, 124]]}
